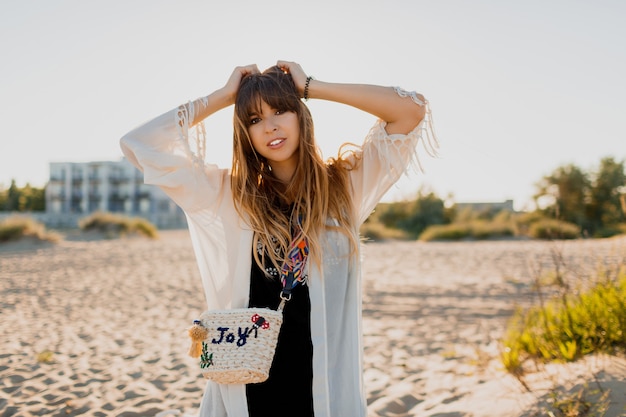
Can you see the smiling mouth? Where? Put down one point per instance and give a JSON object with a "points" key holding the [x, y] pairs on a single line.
{"points": [[276, 142]]}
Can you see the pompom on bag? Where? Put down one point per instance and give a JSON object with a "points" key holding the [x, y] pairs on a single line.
{"points": [[236, 346]]}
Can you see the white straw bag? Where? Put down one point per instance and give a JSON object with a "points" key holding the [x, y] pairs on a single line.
{"points": [[236, 346]]}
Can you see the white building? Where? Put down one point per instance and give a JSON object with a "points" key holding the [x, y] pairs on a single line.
{"points": [[76, 189]]}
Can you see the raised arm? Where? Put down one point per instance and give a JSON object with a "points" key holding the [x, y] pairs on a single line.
{"points": [[171, 155], [223, 97], [401, 113]]}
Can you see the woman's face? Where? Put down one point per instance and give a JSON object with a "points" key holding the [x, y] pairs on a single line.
{"points": [[275, 135]]}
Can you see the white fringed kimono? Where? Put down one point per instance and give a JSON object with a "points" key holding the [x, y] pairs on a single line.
{"points": [[222, 242]]}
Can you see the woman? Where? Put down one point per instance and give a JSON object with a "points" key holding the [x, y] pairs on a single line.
{"points": [[278, 193]]}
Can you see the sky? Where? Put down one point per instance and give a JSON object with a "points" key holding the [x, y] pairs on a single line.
{"points": [[517, 88]]}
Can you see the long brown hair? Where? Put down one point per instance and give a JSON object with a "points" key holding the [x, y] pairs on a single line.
{"points": [[317, 192]]}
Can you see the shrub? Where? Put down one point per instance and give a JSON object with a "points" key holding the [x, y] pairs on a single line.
{"points": [[114, 224], [377, 231], [611, 230], [16, 227], [553, 229], [569, 326], [476, 229], [524, 221], [454, 231], [412, 217], [486, 230]]}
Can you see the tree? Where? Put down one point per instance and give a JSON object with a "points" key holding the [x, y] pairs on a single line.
{"points": [[569, 190], [32, 199], [12, 197], [605, 206], [414, 216], [428, 209], [23, 199]]}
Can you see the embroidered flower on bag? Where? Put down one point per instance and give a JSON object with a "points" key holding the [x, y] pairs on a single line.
{"points": [[259, 321]]}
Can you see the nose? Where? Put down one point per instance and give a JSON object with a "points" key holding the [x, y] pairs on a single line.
{"points": [[270, 125]]}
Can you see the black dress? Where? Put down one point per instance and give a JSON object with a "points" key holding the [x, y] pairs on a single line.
{"points": [[288, 390]]}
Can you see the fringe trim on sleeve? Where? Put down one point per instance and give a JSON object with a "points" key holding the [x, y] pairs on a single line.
{"points": [[194, 143], [427, 125], [396, 147]]}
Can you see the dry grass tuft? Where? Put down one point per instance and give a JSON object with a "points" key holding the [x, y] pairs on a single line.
{"points": [[15, 228]]}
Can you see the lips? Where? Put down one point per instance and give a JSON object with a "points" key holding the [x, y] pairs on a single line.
{"points": [[275, 142]]}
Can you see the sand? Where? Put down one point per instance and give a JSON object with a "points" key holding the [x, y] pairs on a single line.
{"points": [[97, 327]]}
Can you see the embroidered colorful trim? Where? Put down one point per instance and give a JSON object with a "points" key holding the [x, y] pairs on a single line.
{"points": [[293, 272]]}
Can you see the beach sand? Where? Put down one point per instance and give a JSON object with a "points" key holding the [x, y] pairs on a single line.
{"points": [[97, 327]]}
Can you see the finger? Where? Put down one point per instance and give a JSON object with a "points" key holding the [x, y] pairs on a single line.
{"points": [[297, 73], [248, 69], [252, 69], [285, 65]]}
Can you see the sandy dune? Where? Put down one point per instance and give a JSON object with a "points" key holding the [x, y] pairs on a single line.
{"points": [[97, 327]]}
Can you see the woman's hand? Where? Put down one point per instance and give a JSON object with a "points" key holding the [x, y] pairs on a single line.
{"points": [[232, 85], [297, 74], [222, 97]]}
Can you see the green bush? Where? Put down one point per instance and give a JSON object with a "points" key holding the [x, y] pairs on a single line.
{"points": [[373, 230], [454, 231], [611, 230], [567, 327], [16, 227], [553, 229], [494, 229], [114, 225], [476, 229], [412, 217]]}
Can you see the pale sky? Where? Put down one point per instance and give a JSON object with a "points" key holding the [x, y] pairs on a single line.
{"points": [[517, 88]]}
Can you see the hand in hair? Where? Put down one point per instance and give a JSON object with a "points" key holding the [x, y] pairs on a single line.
{"points": [[232, 85], [297, 73]]}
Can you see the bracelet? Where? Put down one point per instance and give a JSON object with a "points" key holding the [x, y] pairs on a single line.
{"points": [[306, 88]]}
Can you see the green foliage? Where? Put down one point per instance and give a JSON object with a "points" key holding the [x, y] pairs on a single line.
{"points": [[605, 206], [553, 229], [611, 230], [477, 229], [595, 202], [17, 227], [568, 187], [392, 215], [573, 324], [114, 225], [578, 204], [455, 231], [412, 217], [428, 209], [377, 231], [489, 230], [22, 199], [581, 402]]}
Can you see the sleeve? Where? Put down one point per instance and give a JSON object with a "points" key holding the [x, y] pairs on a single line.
{"points": [[172, 157], [384, 158]]}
